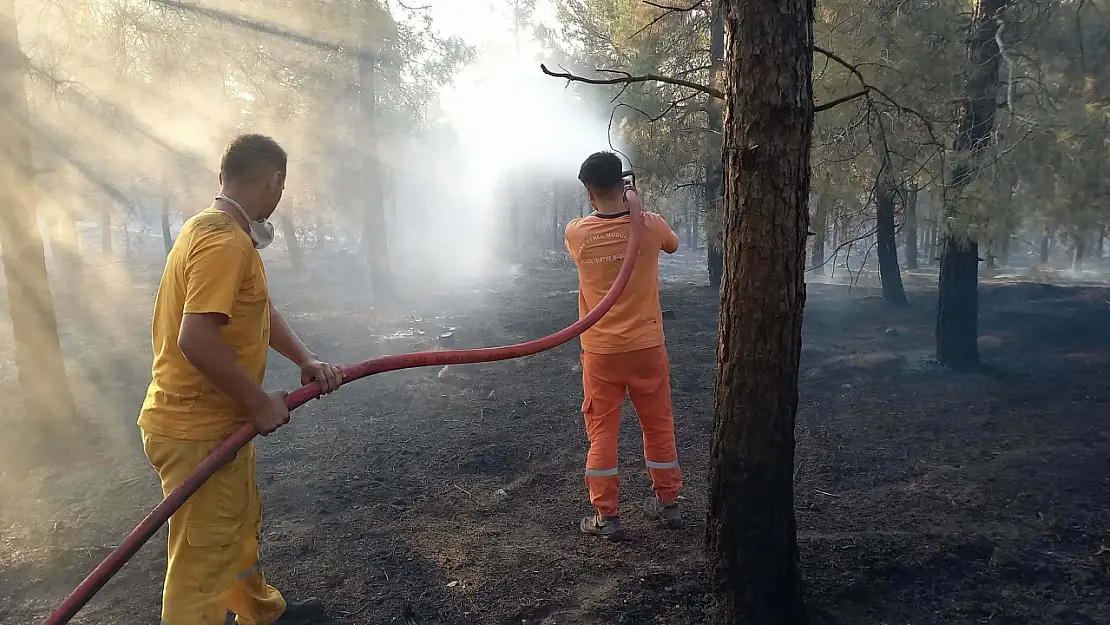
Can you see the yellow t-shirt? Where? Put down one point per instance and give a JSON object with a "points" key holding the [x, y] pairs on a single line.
{"points": [[212, 268]]}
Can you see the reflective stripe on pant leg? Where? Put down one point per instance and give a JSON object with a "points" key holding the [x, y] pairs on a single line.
{"points": [[601, 409], [253, 601], [650, 390]]}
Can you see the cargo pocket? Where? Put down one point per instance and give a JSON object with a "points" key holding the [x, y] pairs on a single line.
{"points": [[587, 403], [220, 506], [213, 555], [216, 534], [214, 530]]}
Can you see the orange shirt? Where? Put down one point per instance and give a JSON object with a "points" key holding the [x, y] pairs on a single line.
{"points": [[212, 268], [597, 245]]}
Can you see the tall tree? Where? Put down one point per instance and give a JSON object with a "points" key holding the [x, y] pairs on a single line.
{"points": [[891, 276], [374, 233], [751, 535], [38, 350], [910, 227], [957, 329], [714, 163]]}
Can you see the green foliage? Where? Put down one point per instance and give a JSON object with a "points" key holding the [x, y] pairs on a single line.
{"points": [[1046, 162]]}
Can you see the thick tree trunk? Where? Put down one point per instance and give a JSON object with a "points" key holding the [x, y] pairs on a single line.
{"points": [[751, 535], [910, 227], [289, 234], [714, 164], [820, 232], [373, 232], [889, 273], [38, 350], [957, 330]]}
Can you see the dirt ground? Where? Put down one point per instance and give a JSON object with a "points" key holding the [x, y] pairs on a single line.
{"points": [[451, 497]]}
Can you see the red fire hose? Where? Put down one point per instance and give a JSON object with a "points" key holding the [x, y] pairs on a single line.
{"points": [[227, 450]]}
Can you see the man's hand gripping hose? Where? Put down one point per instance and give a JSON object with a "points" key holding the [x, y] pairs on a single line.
{"points": [[227, 450]]}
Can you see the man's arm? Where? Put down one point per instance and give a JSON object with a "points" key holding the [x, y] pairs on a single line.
{"points": [[567, 232], [213, 275], [670, 239], [203, 345], [286, 342]]}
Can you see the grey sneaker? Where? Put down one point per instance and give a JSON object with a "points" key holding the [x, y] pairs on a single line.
{"points": [[605, 527], [669, 515]]}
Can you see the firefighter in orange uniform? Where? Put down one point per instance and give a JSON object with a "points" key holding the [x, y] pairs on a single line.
{"points": [[625, 352]]}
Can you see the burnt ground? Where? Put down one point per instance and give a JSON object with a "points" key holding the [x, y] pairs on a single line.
{"points": [[452, 497]]}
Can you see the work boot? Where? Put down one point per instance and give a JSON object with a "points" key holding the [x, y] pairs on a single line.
{"points": [[669, 515], [604, 526], [301, 612]]}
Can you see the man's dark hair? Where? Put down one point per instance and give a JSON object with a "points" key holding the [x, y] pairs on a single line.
{"points": [[247, 155], [601, 171]]}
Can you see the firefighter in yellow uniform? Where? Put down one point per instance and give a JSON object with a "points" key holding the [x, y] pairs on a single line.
{"points": [[213, 324]]}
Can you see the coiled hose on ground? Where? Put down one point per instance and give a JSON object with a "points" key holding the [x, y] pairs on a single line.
{"points": [[227, 450]]}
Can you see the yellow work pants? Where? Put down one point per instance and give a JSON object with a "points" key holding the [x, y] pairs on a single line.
{"points": [[213, 544]]}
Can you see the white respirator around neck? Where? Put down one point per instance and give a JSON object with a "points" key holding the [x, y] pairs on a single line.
{"points": [[261, 230]]}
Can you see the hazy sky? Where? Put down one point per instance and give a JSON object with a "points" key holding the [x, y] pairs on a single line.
{"points": [[481, 22]]}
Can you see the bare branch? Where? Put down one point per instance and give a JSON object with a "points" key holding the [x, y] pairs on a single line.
{"points": [[627, 79], [817, 108], [667, 10], [674, 9]]}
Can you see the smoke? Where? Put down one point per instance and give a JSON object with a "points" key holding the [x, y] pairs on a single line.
{"points": [[128, 113], [504, 126]]}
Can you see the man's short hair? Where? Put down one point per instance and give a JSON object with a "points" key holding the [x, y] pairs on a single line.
{"points": [[248, 155], [602, 171]]}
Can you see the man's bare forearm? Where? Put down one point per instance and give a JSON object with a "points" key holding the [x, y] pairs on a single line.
{"points": [[285, 341], [204, 348]]}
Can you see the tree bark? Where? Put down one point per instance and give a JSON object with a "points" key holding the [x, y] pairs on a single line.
{"points": [[957, 329], [714, 164], [751, 536], [373, 233], [38, 351], [820, 231], [910, 227], [889, 273]]}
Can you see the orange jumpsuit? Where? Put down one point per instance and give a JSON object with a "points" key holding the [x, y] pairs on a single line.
{"points": [[624, 353]]}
